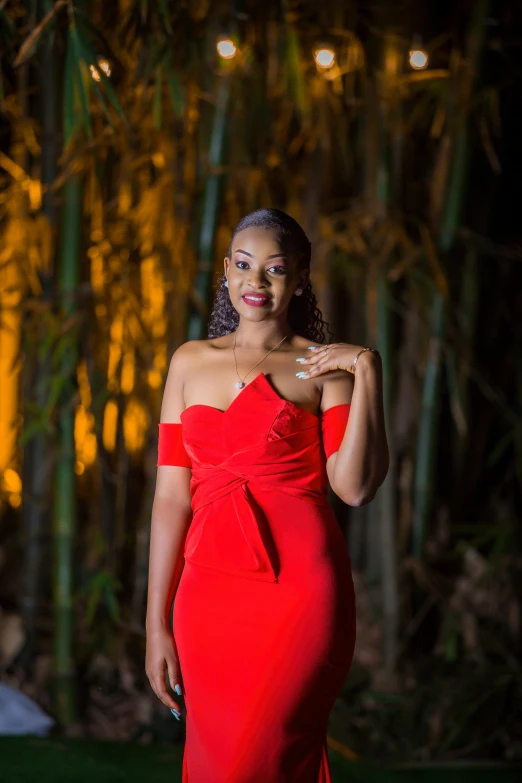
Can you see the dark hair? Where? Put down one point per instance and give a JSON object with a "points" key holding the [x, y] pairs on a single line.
{"points": [[304, 316]]}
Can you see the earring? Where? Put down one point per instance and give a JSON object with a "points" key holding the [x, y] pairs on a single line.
{"points": [[299, 291], [226, 283]]}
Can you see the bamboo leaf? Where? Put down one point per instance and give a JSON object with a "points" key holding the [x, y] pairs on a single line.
{"points": [[433, 260], [28, 46], [499, 450], [456, 402], [295, 80], [177, 97], [35, 428], [95, 592], [80, 73], [489, 149], [112, 602], [57, 384], [164, 13], [91, 60], [422, 76], [6, 22], [69, 120]]}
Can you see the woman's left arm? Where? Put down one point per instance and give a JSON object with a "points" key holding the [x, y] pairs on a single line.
{"points": [[360, 466]]}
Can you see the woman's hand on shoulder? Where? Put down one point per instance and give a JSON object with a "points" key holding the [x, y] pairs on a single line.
{"points": [[332, 356]]}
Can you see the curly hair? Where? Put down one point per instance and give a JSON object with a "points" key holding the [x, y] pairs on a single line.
{"points": [[304, 316]]}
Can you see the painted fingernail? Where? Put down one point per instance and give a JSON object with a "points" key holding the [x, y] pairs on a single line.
{"points": [[301, 374], [312, 347], [177, 689], [301, 359], [176, 714]]}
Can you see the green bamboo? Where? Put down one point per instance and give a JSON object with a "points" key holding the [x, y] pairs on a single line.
{"points": [[429, 415], [35, 465], [386, 496], [370, 141], [382, 547], [205, 267], [64, 506]]}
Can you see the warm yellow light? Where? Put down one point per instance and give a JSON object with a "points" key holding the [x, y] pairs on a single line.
{"points": [[11, 481], [104, 66], [127, 372], [15, 500], [155, 379], [226, 48], [324, 57], [84, 437], [135, 426], [110, 423], [418, 59]]}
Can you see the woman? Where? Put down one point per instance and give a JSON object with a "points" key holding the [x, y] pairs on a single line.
{"points": [[254, 421]]}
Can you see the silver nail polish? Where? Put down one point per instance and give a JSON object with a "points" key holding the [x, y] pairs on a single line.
{"points": [[300, 374], [301, 359], [177, 689], [312, 347], [176, 714]]}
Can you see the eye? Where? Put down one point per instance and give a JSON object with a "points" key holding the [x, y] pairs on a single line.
{"points": [[238, 264], [279, 270]]}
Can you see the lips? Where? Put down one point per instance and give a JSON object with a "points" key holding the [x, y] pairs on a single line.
{"points": [[256, 300]]}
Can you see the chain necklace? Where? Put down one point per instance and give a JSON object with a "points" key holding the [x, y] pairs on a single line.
{"points": [[241, 382]]}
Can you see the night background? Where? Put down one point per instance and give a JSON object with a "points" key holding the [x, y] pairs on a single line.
{"points": [[133, 137]]}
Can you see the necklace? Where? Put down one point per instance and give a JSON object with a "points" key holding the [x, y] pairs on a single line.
{"points": [[241, 382]]}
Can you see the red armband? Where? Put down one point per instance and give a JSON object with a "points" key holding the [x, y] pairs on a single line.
{"points": [[333, 424], [171, 450]]}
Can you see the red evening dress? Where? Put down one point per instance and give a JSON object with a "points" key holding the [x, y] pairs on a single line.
{"points": [[264, 614]]}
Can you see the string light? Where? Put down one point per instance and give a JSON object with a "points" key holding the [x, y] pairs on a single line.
{"points": [[104, 65], [226, 48], [418, 59], [324, 57]]}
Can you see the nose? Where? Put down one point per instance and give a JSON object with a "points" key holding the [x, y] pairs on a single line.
{"points": [[257, 279]]}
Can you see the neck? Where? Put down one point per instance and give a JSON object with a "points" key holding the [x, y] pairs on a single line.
{"points": [[262, 335]]}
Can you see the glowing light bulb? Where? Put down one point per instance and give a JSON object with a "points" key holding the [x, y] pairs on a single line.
{"points": [[324, 57], [418, 59], [226, 48], [105, 66]]}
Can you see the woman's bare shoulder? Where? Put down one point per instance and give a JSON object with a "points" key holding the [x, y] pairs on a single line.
{"points": [[302, 343], [190, 354]]}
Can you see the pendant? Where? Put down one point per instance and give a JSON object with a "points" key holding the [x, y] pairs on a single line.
{"points": [[239, 385]]}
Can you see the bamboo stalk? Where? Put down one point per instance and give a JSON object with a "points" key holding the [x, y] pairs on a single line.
{"points": [[205, 268], [386, 495], [382, 538], [64, 506], [36, 466], [429, 417]]}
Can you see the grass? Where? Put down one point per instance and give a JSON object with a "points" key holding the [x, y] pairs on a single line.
{"points": [[57, 760]]}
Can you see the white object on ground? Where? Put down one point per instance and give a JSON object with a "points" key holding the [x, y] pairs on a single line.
{"points": [[21, 715]]}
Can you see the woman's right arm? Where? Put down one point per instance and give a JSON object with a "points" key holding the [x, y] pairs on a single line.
{"points": [[171, 518]]}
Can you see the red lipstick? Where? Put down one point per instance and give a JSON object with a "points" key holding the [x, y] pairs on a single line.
{"points": [[256, 300]]}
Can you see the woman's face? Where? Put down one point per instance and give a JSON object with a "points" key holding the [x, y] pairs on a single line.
{"points": [[262, 276]]}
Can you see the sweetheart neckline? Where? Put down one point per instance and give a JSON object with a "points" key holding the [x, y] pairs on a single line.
{"points": [[270, 387]]}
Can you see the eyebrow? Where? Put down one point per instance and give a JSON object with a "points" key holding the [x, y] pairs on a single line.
{"points": [[275, 255]]}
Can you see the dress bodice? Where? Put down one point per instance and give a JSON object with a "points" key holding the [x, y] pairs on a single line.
{"points": [[261, 443]]}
